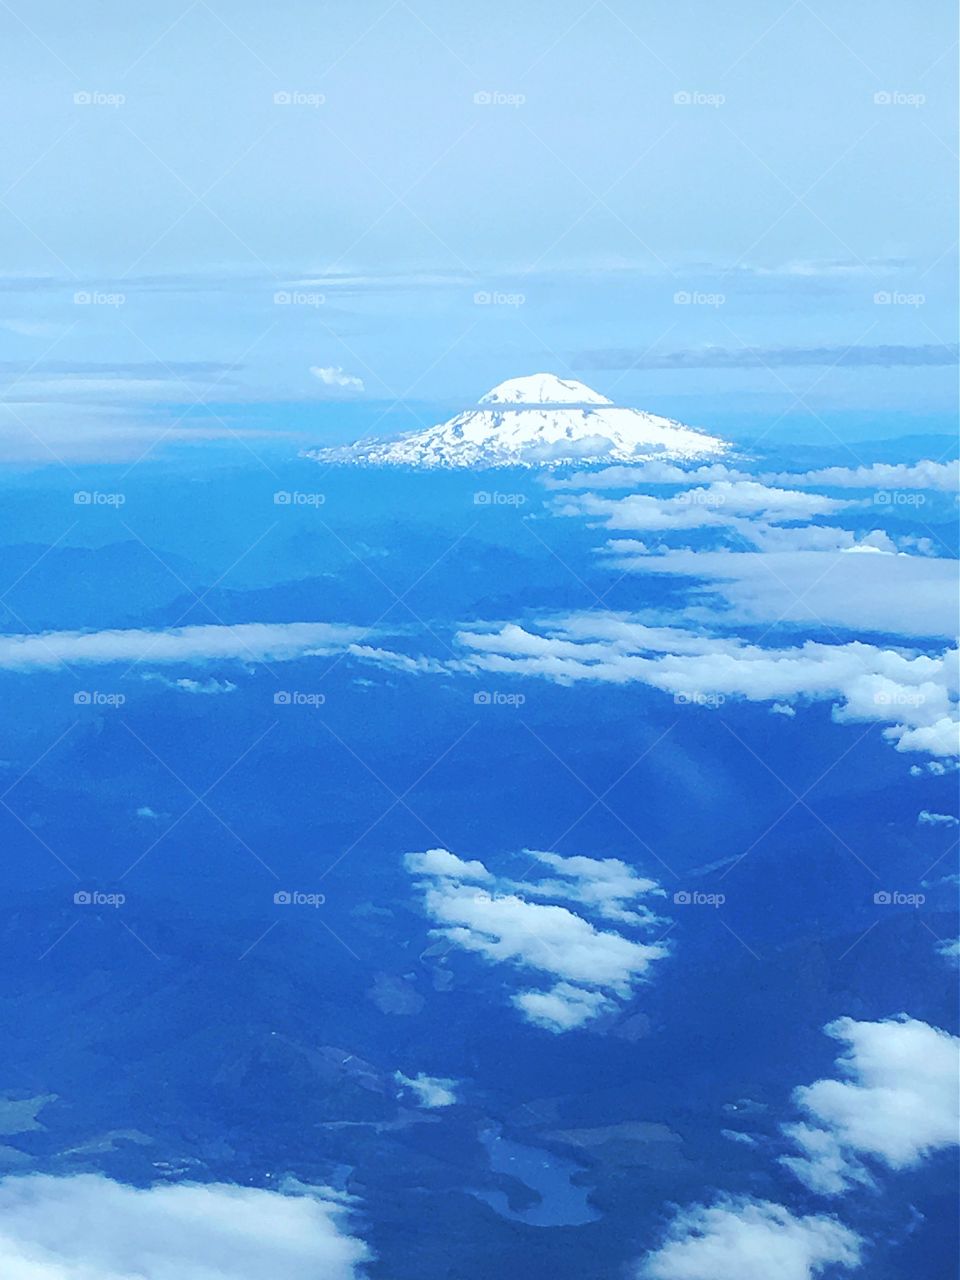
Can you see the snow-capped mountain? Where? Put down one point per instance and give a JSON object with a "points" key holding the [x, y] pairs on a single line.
{"points": [[535, 421]]}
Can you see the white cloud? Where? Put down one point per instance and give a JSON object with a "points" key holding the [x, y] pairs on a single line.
{"points": [[783, 709], [91, 1228], [719, 504], [187, 685], [927, 819], [881, 475], [897, 1104], [747, 1239], [950, 949], [908, 595], [487, 916], [430, 1091], [605, 884], [563, 1008], [913, 694], [258, 641], [334, 376], [443, 863]]}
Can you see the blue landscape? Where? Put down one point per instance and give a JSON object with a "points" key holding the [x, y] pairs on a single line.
{"points": [[478, 642]]}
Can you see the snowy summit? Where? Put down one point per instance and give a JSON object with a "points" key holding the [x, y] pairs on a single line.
{"points": [[535, 421]]}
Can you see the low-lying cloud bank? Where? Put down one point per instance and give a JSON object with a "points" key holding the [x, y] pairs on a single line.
{"points": [[244, 642], [914, 695], [89, 1227], [590, 967]]}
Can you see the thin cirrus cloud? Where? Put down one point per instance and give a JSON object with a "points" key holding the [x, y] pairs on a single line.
{"points": [[86, 1226], [896, 1104], [590, 968]]}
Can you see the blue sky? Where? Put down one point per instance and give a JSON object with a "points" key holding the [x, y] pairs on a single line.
{"points": [[780, 166]]}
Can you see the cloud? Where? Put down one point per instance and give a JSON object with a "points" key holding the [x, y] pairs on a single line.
{"points": [[443, 863], [92, 1228], [897, 1103], [898, 594], [606, 885], [748, 1239], [913, 694], [881, 475], [186, 685], [841, 356], [430, 1091], [488, 916], [334, 376], [950, 950], [783, 709], [722, 503], [248, 641], [927, 819]]}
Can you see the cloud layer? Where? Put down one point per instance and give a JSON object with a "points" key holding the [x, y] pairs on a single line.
{"points": [[589, 967], [92, 1228]]}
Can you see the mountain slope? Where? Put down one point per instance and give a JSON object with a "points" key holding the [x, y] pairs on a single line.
{"points": [[539, 420]]}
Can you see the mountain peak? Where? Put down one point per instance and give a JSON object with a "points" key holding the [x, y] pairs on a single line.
{"points": [[543, 388], [539, 420]]}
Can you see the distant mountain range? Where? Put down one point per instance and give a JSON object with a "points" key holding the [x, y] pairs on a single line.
{"points": [[535, 421]]}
